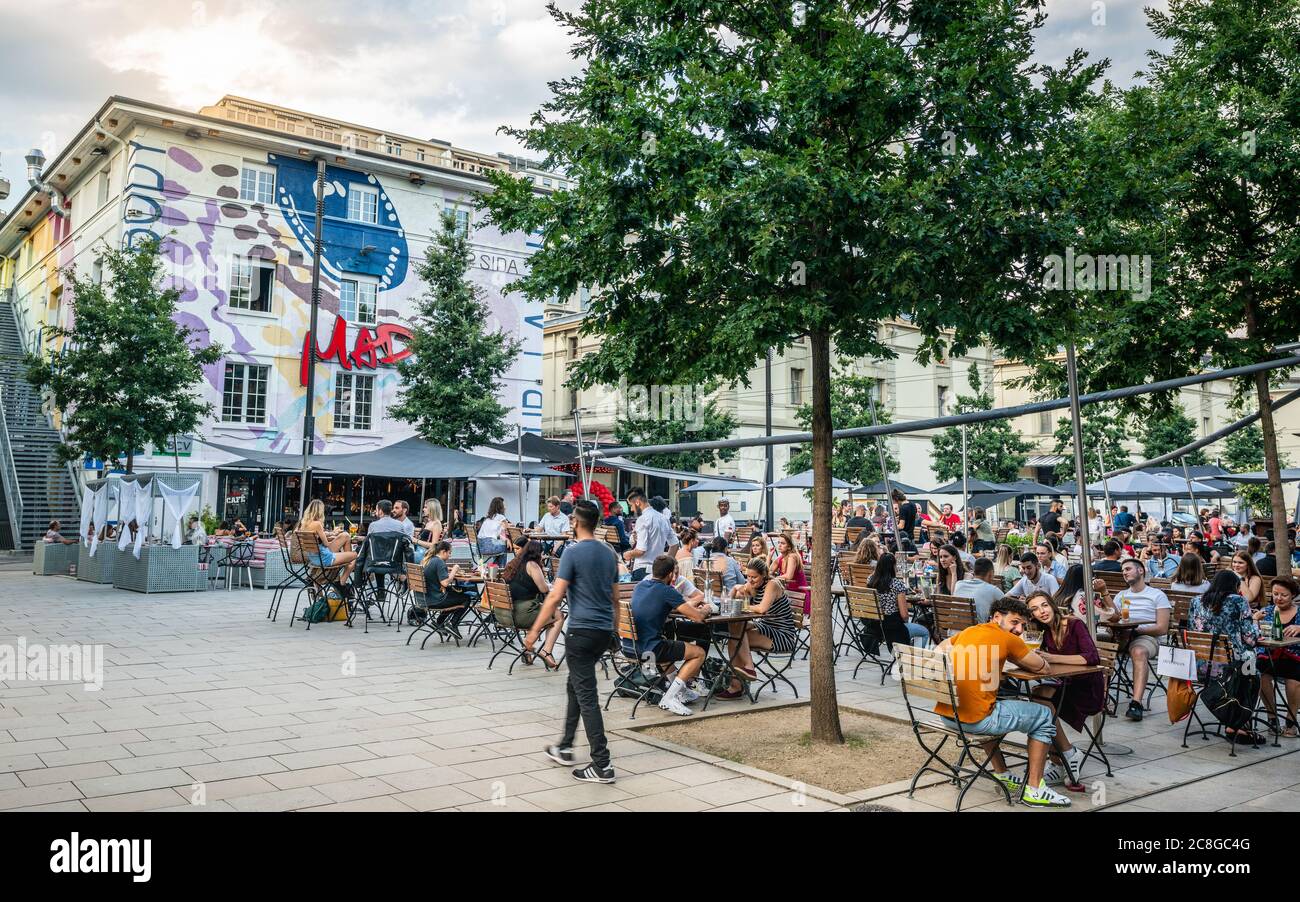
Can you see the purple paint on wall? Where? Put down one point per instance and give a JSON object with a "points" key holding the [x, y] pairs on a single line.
{"points": [[185, 158], [174, 191]]}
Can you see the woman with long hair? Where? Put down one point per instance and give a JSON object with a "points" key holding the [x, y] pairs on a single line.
{"points": [[689, 552], [1280, 663], [892, 595], [1190, 575], [335, 548], [1222, 610], [868, 550], [492, 531], [1069, 597], [1005, 564], [528, 588], [1066, 641], [787, 564], [1252, 584], [430, 533], [774, 630], [951, 569], [721, 561]]}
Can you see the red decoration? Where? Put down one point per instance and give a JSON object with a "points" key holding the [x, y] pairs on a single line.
{"points": [[366, 349], [599, 491]]}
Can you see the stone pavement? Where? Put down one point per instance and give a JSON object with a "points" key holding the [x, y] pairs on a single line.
{"points": [[205, 700]]}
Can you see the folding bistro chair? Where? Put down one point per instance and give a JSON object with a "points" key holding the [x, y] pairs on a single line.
{"points": [[851, 574], [763, 658], [498, 598], [239, 559], [952, 614], [1107, 652], [297, 577], [866, 619], [425, 618], [321, 581], [631, 680], [1211, 649], [743, 535], [926, 673], [378, 577]]}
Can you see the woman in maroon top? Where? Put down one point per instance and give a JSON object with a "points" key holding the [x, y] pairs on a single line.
{"points": [[1066, 641]]}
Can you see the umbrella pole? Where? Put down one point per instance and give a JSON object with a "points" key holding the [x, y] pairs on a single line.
{"points": [[965, 484], [577, 432], [519, 461], [1187, 475], [1105, 487], [884, 475]]}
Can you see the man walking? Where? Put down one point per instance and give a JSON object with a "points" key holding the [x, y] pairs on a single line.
{"points": [[654, 535], [587, 574]]}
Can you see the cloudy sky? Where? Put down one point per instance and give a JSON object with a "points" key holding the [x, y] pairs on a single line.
{"points": [[451, 69]]}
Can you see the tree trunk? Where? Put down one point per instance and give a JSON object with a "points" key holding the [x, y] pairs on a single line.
{"points": [[1277, 499], [130, 461], [825, 703]]}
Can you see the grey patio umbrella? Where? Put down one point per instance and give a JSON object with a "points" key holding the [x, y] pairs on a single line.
{"points": [[977, 486], [878, 488], [804, 480]]}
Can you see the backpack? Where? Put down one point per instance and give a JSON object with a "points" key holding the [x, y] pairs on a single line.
{"points": [[318, 612]]}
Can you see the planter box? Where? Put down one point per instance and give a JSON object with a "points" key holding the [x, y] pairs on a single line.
{"points": [[161, 568], [98, 569], [54, 559]]}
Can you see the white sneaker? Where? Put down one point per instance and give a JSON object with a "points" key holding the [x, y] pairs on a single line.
{"points": [[688, 695], [1055, 773], [671, 704], [1043, 797]]}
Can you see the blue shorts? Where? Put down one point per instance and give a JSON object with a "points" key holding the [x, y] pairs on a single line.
{"points": [[1011, 715], [324, 559]]}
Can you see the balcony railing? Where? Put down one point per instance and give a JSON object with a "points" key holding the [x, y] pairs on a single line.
{"points": [[9, 476]]}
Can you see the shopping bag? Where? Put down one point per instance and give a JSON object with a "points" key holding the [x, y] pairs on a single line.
{"points": [[1177, 663]]}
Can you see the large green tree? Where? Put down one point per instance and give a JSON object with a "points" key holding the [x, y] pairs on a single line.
{"points": [[995, 451], [1243, 452], [703, 424], [127, 373], [449, 383], [856, 461], [1196, 169], [1167, 430], [1103, 428], [748, 174]]}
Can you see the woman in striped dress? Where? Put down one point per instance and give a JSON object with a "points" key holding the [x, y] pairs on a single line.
{"points": [[774, 631]]}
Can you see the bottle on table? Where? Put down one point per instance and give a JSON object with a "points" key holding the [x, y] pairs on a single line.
{"points": [[1277, 624]]}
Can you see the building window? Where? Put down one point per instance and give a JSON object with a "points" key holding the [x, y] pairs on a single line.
{"points": [[394, 148], [462, 220], [353, 401], [103, 187], [941, 400], [97, 272], [546, 183], [257, 185], [251, 283], [1045, 422], [878, 391], [584, 298], [243, 394], [419, 154], [1207, 426], [358, 301], [363, 204], [796, 386]]}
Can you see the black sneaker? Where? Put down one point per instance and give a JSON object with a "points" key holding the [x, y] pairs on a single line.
{"points": [[1134, 711], [562, 757], [592, 773]]}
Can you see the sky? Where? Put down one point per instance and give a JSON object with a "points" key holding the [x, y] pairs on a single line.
{"points": [[450, 69]]}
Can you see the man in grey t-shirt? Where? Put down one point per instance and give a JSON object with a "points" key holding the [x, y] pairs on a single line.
{"points": [[587, 574]]}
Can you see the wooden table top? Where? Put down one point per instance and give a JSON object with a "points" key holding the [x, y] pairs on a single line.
{"points": [[1278, 643], [731, 618], [1055, 670]]}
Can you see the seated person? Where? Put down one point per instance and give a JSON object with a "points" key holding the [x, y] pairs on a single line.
{"points": [[891, 592], [223, 528], [335, 547], [774, 631], [1110, 560], [196, 534], [977, 654], [54, 537], [1048, 562], [239, 530], [1033, 578], [553, 522], [653, 600], [983, 587], [1280, 663], [1150, 609], [440, 591], [615, 519], [528, 588], [1066, 641], [958, 541], [721, 561]]}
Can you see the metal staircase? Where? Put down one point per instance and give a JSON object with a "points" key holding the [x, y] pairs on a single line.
{"points": [[36, 487]]}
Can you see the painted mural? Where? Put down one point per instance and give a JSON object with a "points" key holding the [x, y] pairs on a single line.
{"points": [[191, 198]]}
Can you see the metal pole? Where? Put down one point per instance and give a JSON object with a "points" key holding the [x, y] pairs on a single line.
{"points": [[768, 522], [519, 460], [577, 432], [1081, 487], [309, 412], [1187, 474], [965, 483], [884, 475], [1105, 487]]}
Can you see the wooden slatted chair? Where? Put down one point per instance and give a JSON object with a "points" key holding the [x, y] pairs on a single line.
{"points": [[707, 581], [1114, 579], [1181, 607], [775, 671], [802, 622], [1210, 649], [632, 680], [743, 535], [1000, 534], [497, 595], [926, 675], [1108, 655], [952, 614], [852, 534], [425, 618], [866, 618], [853, 574], [322, 582], [839, 536]]}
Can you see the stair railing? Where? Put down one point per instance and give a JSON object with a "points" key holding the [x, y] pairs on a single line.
{"points": [[9, 475]]}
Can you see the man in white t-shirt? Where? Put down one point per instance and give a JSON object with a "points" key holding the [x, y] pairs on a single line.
{"points": [[654, 535], [725, 525], [1149, 607], [1033, 578]]}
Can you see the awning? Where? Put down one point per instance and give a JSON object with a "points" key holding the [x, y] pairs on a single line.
{"points": [[1027, 488], [622, 463], [720, 485], [878, 488], [540, 448], [1044, 460], [413, 458], [1290, 474], [989, 500], [956, 487], [804, 480]]}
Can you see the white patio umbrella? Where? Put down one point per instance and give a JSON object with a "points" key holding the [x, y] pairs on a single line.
{"points": [[804, 480]]}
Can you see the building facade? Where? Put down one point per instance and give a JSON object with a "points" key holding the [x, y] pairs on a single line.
{"points": [[231, 190]]}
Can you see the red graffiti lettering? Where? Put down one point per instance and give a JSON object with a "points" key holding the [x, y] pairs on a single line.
{"points": [[366, 350]]}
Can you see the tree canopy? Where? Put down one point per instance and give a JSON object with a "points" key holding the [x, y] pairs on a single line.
{"points": [[995, 451]]}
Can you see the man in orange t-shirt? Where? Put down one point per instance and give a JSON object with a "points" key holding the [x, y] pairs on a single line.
{"points": [[977, 654]]}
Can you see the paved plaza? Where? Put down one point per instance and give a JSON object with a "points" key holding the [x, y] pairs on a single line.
{"points": [[206, 700]]}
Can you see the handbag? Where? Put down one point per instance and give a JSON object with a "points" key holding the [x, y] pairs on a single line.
{"points": [[1231, 695], [1177, 663], [1180, 699]]}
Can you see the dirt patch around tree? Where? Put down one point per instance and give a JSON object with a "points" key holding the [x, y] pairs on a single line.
{"points": [[876, 750]]}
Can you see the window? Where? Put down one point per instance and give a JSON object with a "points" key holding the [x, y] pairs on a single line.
{"points": [[358, 301], [102, 197], [251, 283], [546, 183], [353, 400], [363, 204], [394, 148], [1207, 426], [243, 394], [878, 391], [1045, 422], [941, 400], [796, 386], [97, 272], [257, 185], [573, 348], [462, 219], [419, 154]]}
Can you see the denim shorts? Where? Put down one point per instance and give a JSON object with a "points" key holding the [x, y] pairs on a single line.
{"points": [[1014, 716], [324, 559]]}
